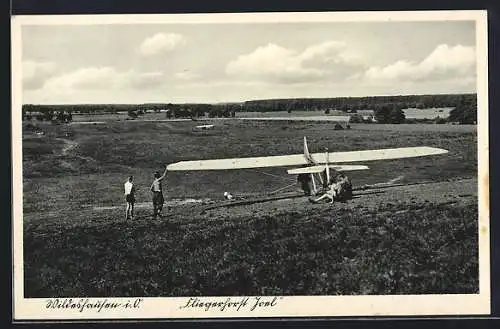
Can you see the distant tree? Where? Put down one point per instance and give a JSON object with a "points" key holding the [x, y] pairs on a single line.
{"points": [[356, 118], [48, 115], [60, 116], [440, 120], [132, 114], [327, 111], [464, 114], [397, 115], [382, 114], [338, 126], [68, 117], [387, 114]]}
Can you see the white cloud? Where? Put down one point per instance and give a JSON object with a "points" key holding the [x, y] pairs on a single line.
{"points": [[35, 73], [443, 63], [186, 75], [102, 78], [161, 43], [328, 60], [86, 78], [146, 80]]}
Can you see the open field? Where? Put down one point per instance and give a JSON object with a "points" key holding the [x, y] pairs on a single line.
{"points": [[407, 239], [272, 115], [443, 112]]}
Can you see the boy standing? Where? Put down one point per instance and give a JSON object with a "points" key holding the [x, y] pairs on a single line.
{"points": [[130, 197], [157, 190]]}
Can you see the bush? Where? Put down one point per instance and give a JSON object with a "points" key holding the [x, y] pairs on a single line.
{"points": [[464, 114], [132, 114], [356, 118], [440, 120], [385, 114], [31, 127]]}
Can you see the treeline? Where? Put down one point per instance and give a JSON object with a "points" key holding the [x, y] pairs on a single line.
{"points": [[201, 110], [387, 108], [464, 112], [354, 104], [50, 112], [49, 115]]}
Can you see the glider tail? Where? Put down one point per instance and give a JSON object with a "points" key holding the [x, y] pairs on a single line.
{"points": [[307, 155]]}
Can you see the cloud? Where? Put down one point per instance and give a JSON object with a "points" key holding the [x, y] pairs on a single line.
{"points": [[35, 73], [186, 75], [146, 80], [273, 63], [443, 63], [86, 78], [161, 43], [102, 78]]}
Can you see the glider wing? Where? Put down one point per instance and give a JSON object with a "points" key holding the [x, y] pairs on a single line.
{"points": [[300, 159], [318, 169]]}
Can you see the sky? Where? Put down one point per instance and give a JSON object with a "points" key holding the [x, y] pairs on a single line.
{"points": [[210, 63]]}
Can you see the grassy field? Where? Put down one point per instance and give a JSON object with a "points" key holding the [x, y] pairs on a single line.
{"points": [[409, 113], [73, 250]]}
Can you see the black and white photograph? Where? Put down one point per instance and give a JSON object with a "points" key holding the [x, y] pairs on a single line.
{"points": [[250, 165]]}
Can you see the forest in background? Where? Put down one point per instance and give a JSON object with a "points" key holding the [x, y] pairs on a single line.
{"points": [[386, 109]]}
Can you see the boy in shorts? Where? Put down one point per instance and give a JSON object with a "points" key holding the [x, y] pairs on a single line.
{"points": [[157, 190], [129, 197]]}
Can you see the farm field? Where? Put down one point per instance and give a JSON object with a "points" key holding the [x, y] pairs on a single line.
{"points": [[443, 112], [295, 115], [411, 239]]}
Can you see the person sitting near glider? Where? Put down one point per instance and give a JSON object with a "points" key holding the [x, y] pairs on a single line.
{"points": [[129, 197], [331, 193], [156, 188], [340, 188], [344, 189]]}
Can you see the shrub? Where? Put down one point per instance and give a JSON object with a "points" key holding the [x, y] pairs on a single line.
{"points": [[356, 118]]}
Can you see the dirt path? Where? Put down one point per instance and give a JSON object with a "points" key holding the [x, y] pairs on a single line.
{"points": [[69, 146]]}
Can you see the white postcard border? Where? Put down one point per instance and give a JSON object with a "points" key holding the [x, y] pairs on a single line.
{"points": [[294, 306]]}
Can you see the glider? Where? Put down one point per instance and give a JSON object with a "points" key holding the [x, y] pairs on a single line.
{"points": [[315, 163]]}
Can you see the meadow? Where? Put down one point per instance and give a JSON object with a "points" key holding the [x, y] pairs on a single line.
{"points": [[401, 247], [410, 113]]}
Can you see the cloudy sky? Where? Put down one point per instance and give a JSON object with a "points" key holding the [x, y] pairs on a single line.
{"points": [[236, 62]]}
